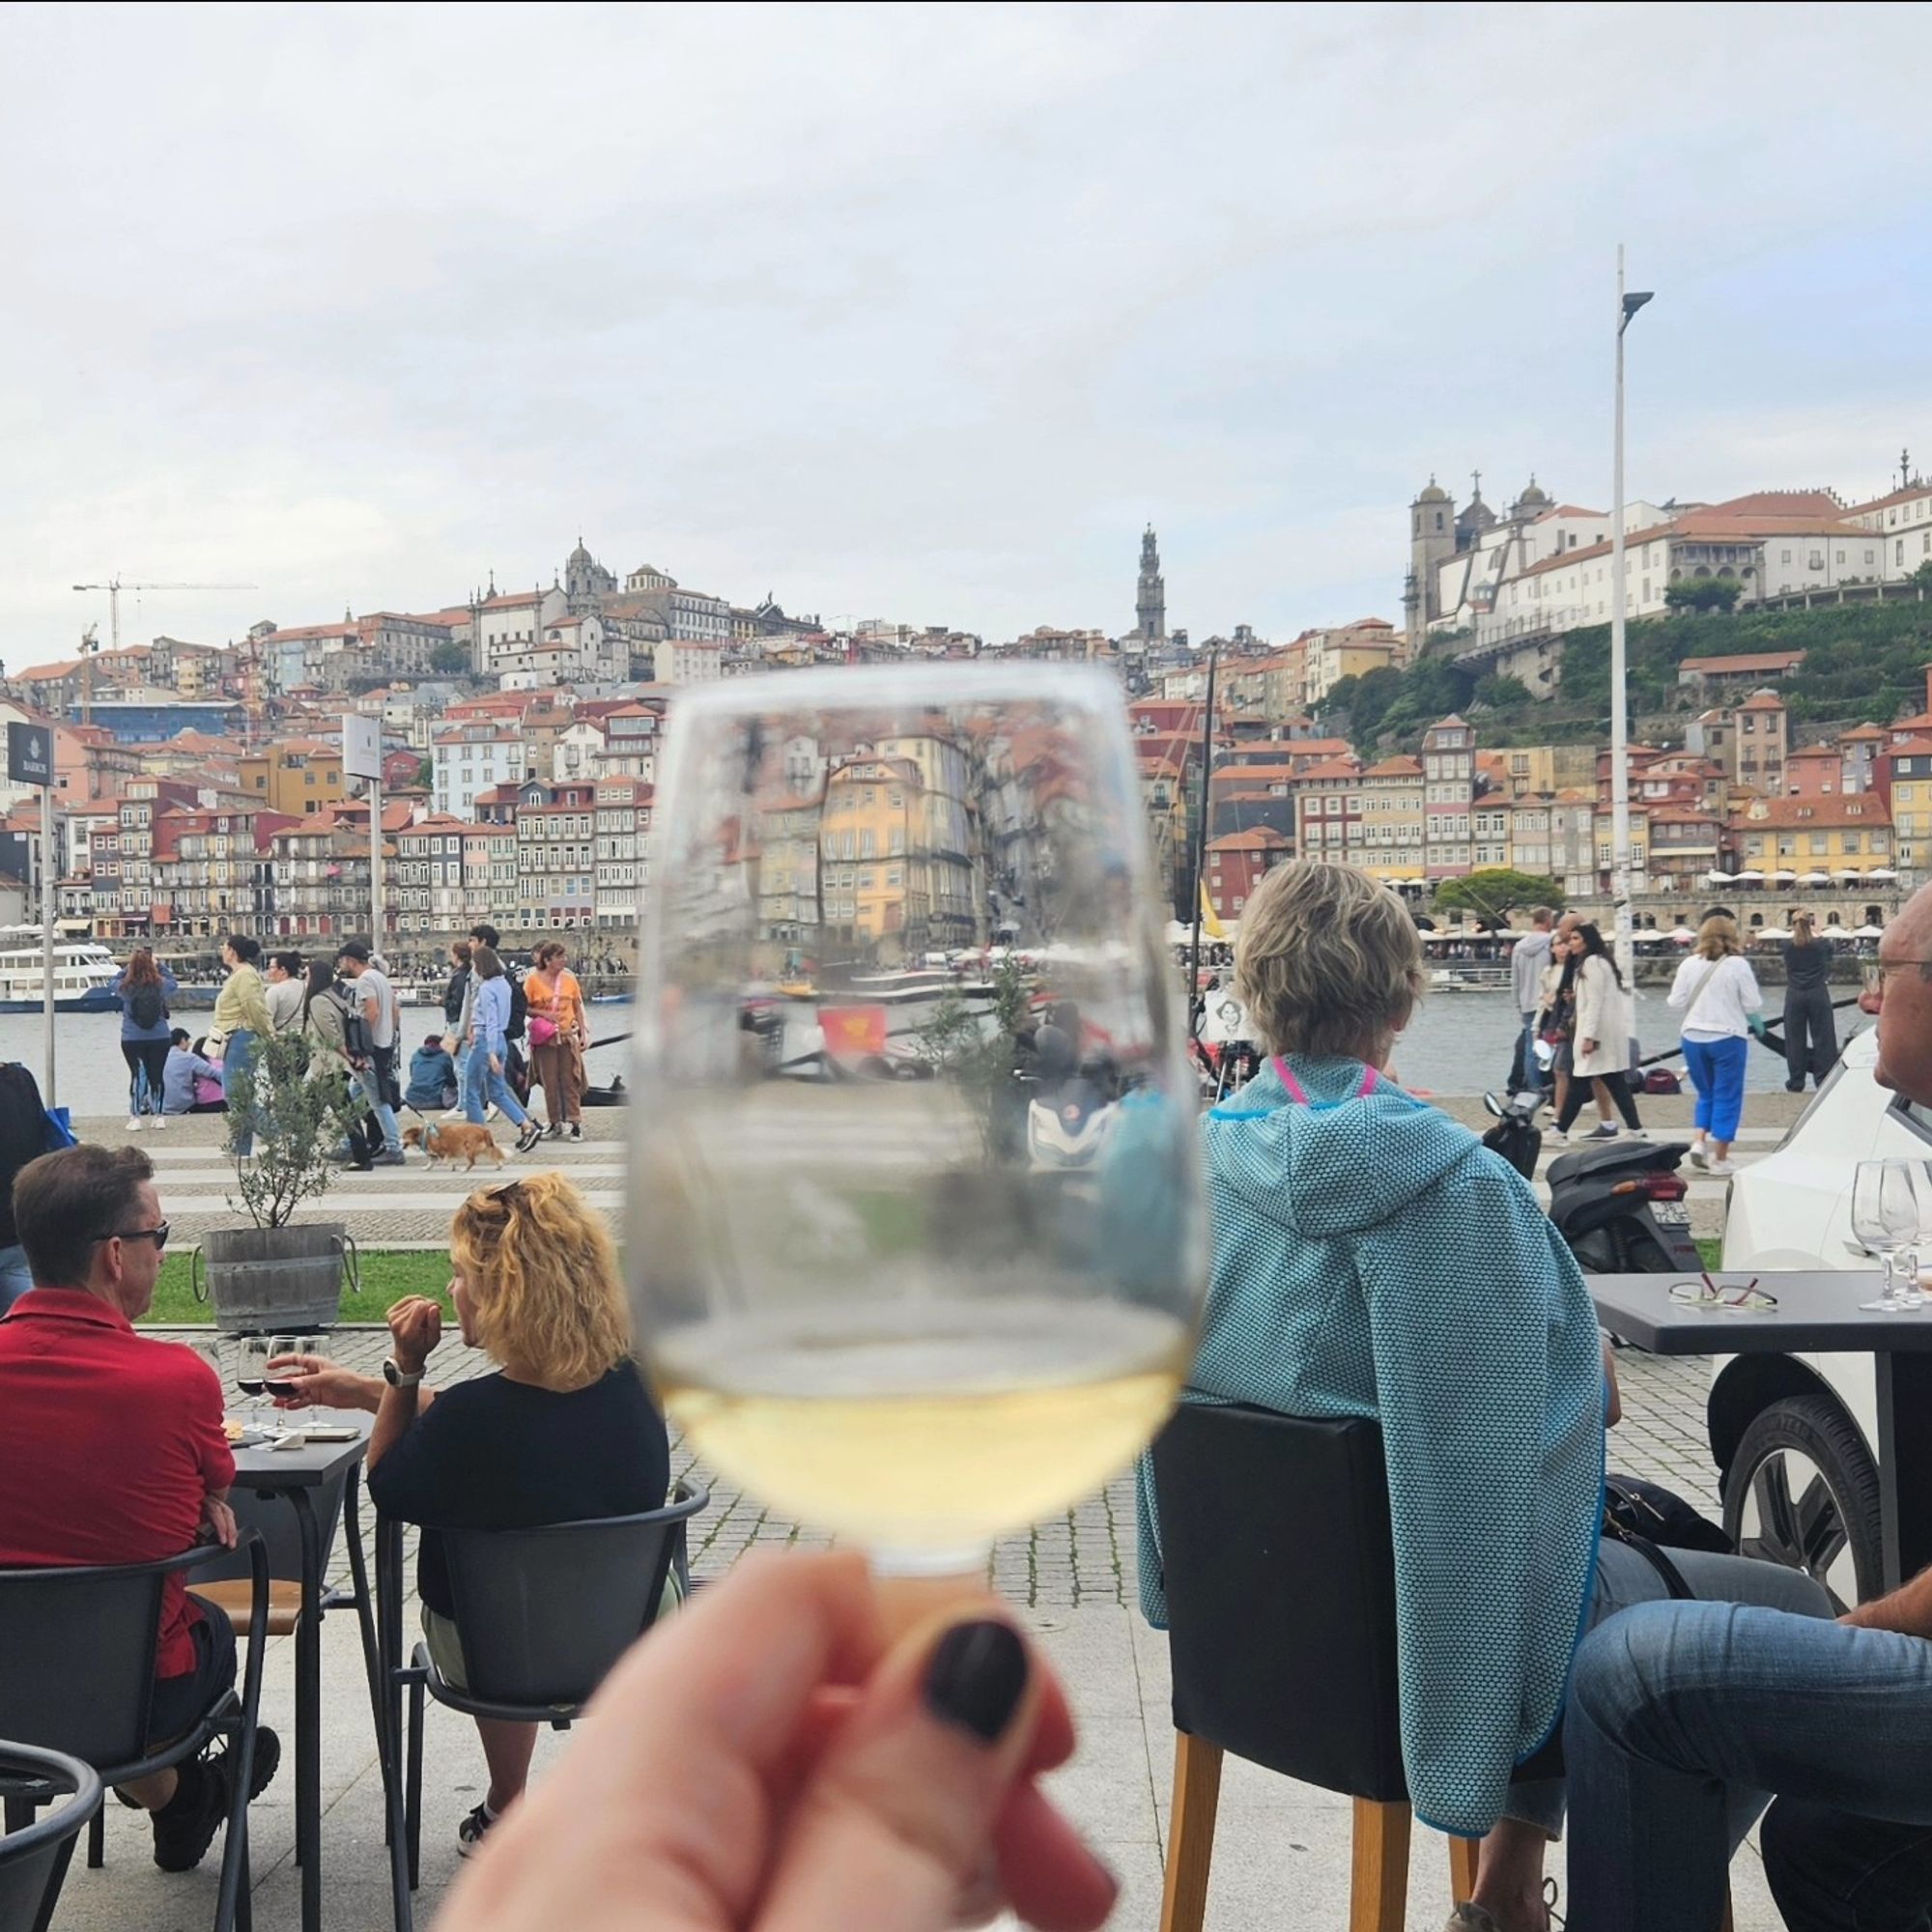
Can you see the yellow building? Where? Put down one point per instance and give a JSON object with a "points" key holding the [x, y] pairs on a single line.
{"points": [[1848, 834], [299, 777], [1386, 839]]}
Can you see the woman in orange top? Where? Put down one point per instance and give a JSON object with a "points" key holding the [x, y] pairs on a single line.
{"points": [[558, 1036]]}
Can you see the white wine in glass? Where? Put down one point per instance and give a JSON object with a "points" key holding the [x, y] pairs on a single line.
{"points": [[916, 1240]]}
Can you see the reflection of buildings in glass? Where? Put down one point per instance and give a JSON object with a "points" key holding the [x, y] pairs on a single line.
{"points": [[896, 849], [789, 868]]}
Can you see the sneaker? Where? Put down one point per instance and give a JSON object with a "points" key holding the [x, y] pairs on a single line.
{"points": [[530, 1137], [555, 1132], [134, 1123], [494, 1112], [1699, 1158], [576, 1130], [389, 1157], [1606, 1131], [157, 1121], [185, 1827], [1470, 1917], [472, 1831], [1719, 1167], [453, 1114]]}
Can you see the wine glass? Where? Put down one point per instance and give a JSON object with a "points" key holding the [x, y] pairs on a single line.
{"points": [[916, 1240], [1885, 1217], [289, 1345], [251, 1370]]}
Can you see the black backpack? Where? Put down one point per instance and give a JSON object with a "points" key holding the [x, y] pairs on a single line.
{"points": [[146, 1007], [355, 1040], [520, 1009]]}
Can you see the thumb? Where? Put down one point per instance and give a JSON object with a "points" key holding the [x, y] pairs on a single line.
{"points": [[900, 1809]]}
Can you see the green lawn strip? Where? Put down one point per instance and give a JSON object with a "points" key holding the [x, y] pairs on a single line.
{"points": [[1711, 1248], [387, 1274]]}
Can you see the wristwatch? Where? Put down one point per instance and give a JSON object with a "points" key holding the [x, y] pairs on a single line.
{"points": [[400, 1379]]}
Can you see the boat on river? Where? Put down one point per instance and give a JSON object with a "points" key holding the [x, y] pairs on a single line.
{"points": [[84, 972]]}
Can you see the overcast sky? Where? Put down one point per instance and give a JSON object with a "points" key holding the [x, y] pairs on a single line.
{"points": [[920, 313]]}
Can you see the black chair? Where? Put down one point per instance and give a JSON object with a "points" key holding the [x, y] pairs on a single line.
{"points": [[1280, 1577], [224, 1578], [79, 1645], [34, 1854], [543, 1615]]}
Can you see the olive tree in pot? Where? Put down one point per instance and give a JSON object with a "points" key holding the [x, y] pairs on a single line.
{"points": [[273, 1275]]}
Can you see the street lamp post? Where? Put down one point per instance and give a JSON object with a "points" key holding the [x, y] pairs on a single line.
{"points": [[1627, 305]]}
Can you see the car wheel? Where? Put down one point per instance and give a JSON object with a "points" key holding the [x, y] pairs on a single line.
{"points": [[1803, 1491]]}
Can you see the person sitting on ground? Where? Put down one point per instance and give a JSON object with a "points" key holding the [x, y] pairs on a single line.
{"points": [[188, 1075], [1372, 1257], [210, 1089], [565, 1430], [1683, 1716], [432, 1078], [117, 1453], [287, 982]]}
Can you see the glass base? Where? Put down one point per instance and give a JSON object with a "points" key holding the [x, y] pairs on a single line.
{"points": [[970, 1560]]}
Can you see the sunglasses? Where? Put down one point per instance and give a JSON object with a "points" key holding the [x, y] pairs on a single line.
{"points": [[157, 1235], [1704, 1292]]}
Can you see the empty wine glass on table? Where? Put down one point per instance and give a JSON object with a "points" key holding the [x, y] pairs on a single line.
{"points": [[916, 1241], [1885, 1219]]}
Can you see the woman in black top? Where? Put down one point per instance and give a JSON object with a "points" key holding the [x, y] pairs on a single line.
{"points": [[564, 1429], [1810, 1038]]}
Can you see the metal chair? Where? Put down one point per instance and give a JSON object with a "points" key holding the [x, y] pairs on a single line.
{"points": [[1280, 1577], [81, 1645], [34, 1854], [543, 1614], [224, 1578]]}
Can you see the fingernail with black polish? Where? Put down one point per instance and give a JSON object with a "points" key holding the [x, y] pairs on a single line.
{"points": [[977, 1677]]}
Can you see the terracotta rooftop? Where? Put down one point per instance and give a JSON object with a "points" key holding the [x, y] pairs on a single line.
{"points": [[1257, 839], [1745, 663]]}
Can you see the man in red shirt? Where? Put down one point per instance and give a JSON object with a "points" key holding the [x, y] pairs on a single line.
{"points": [[115, 1450]]}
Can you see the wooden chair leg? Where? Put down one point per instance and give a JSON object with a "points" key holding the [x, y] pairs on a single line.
{"points": [[1728, 1922], [1378, 1879], [1463, 1869], [1190, 1832]]}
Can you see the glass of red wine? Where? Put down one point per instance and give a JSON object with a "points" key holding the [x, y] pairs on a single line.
{"points": [[251, 1370], [281, 1349]]}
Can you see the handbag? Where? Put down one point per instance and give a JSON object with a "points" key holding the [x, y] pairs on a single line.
{"points": [[57, 1130], [1653, 1519], [542, 1030]]}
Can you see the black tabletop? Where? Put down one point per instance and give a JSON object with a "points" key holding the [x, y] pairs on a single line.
{"points": [[263, 1466], [1817, 1313]]}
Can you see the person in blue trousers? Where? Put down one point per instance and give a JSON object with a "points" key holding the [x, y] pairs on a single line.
{"points": [[490, 1049], [144, 988]]}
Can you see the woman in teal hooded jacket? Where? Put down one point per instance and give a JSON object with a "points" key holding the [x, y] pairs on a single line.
{"points": [[1372, 1257]]}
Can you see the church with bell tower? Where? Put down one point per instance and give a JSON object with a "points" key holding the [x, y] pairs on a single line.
{"points": [[1150, 595], [585, 581]]}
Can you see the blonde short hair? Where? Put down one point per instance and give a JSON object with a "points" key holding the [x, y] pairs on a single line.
{"points": [[1717, 937], [542, 1273], [1327, 962]]}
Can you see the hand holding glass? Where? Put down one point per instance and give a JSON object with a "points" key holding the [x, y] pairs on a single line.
{"points": [[916, 1243]]}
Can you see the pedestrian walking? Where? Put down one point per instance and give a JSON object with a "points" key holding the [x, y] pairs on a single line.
{"points": [[1604, 1024], [1717, 994], [144, 988], [1528, 962], [456, 998], [239, 1022], [490, 1048], [1810, 1037]]}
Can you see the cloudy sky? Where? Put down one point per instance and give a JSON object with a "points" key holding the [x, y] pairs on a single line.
{"points": [[920, 312]]}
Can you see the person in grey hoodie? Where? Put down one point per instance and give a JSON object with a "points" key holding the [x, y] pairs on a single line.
{"points": [[1527, 962]]}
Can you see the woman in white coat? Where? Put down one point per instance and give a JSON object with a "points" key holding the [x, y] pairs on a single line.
{"points": [[1601, 1053]]}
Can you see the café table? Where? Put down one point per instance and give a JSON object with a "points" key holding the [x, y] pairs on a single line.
{"points": [[300, 1473], [1817, 1312]]}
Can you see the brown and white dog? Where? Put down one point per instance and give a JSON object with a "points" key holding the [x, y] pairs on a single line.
{"points": [[442, 1140]]}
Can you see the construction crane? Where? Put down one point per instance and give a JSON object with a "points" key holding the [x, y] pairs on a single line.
{"points": [[91, 643]]}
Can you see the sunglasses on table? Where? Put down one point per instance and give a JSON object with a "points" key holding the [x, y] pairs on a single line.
{"points": [[1704, 1292]]}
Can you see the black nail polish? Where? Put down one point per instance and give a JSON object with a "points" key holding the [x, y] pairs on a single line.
{"points": [[977, 1677]]}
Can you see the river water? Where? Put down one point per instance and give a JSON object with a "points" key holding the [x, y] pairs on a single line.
{"points": [[1458, 1044]]}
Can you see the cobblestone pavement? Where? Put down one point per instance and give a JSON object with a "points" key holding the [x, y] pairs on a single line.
{"points": [[1087, 1556]]}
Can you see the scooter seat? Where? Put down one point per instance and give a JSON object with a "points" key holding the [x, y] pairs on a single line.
{"points": [[1600, 1161]]}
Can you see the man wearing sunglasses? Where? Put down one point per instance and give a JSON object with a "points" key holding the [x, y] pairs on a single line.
{"points": [[1683, 1716], [114, 1450]]}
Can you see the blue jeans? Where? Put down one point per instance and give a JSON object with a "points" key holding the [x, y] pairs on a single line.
{"points": [[1717, 1069], [1681, 1714], [1625, 1577], [462, 1058], [484, 1086], [370, 1080], [16, 1277], [239, 1053], [1533, 1076]]}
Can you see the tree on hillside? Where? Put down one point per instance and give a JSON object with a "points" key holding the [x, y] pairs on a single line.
{"points": [[1501, 693], [1922, 576], [1493, 893], [449, 660], [1709, 593], [1362, 702]]}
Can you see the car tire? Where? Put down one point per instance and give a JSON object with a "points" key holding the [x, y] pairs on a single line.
{"points": [[1801, 1490]]}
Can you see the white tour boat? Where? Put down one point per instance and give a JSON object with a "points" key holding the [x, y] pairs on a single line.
{"points": [[83, 971]]}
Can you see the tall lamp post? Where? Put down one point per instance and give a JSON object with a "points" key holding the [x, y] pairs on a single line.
{"points": [[1627, 305]]}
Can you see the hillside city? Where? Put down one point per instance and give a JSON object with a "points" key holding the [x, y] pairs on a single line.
{"points": [[201, 788]]}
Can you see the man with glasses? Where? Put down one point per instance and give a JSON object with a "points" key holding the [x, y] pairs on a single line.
{"points": [[115, 1452], [1683, 1716]]}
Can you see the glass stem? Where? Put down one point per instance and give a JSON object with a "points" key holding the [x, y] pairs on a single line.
{"points": [[916, 1586]]}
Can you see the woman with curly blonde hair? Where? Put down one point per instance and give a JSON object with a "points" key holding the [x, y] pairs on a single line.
{"points": [[564, 1429]]}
